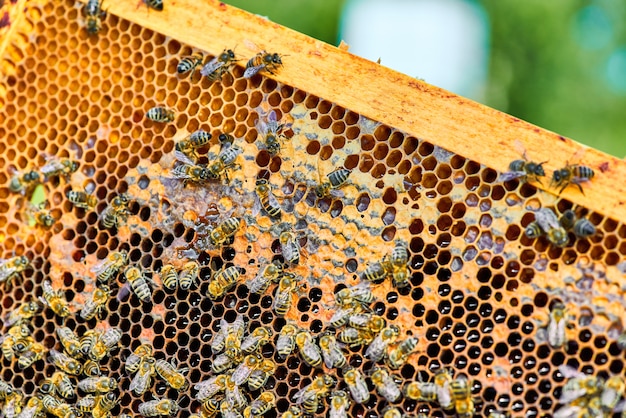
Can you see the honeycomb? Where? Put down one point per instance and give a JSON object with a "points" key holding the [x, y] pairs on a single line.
{"points": [[480, 291]]}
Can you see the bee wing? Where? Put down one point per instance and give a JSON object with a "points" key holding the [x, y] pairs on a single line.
{"points": [[312, 350], [302, 395], [124, 292], [50, 167], [211, 67], [251, 71], [140, 383], [569, 372], [258, 283], [376, 350], [6, 273], [337, 194], [183, 158], [511, 175], [546, 219], [572, 395], [101, 266], [241, 374]]}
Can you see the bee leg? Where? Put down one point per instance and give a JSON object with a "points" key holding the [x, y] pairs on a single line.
{"points": [[579, 187]]}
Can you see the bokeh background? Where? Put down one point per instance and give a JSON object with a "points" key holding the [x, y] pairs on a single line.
{"points": [[560, 64]]}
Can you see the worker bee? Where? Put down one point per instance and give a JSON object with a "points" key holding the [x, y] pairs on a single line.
{"points": [[88, 343], [366, 321], [34, 352], [268, 274], [221, 233], [154, 4], [188, 171], [360, 293], [40, 215], [222, 281], [283, 297], [103, 405], [33, 409], [352, 336], [22, 314], [393, 412], [11, 268], [143, 378], [375, 273], [108, 268], [210, 387], [229, 332], [244, 369], [190, 144], [293, 412], [93, 12], [582, 227], [398, 266], [309, 351], [5, 389], [116, 212], [356, 385], [266, 200], [270, 130], [160, 114], [557, 324], [96, 304], [169, 276], [259, 376], [547, 222], [54, 299], [335, 180], [59, 383], [572, 174], [69, 341], [188, 275], [525, 170], [312, 393], [189, 63], [443, 382], [339, 404], [233, 394], [59, 167], [172, 376], [378, 348], [260, 336], [111, 338], [24, 182], [286, 340], [220, 65], [579, 385], [612, 391], [420, 391], [139, 283], [269, 62], [82, 199], [133, 360], [290, 247], [262, 404], [65, 362], [224, 162], [13, 404], [97, 385], [462, 396], [331, 352], [399, 355]]}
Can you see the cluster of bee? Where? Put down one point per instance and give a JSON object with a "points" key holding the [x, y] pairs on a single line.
{"points": [[393, 266], [92, 10], [571, 174], [449, 393], [18, 342], [556, 229], [590, 396], [238, 364]]}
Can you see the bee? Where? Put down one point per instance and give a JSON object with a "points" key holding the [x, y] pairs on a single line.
{"points": [[103, 405], [420, 391], [154, 4], [91, 368], [234, 397], [210, 408], [378, 348], [82, 199], [352, 336], [227, 331], [220, 65], [210, 387], [375, 273], [398, 266], [393, 412], [270, 273], [462, 396], [188, 171], [111, 337], [5, 389], [360, 293], [54, 299], [222, 281], [579, 385], [188, 275], [116, 212], [190, 144], [24, 182], [169, 276], [96, 304], [556, 325], [34, 408], [259, 376], [97, 385], [221, 363], [65, 363], [39, 215], [572, 174], [356, 385], [224, 231], [269, 62], [262, 404], [108, 268], [339, 404], [335, 180], [13, 404], [139, 283], [260, 336], [160, 114], [331, 352], [613, 390], [59, 167], [172, 376], [93, 11], [290, 247], [582, 227], [11, 268], [293, 412], [398, 356], [69, 341], [443, 382], [271, 132], [141, 382], [525, 170], [286, 340], [98, 345], [311, 394], [33, 353], [23, 313], [59, 383], [309, 351], [189, 63], [224, 162], [266, 199], [547, 222], [283, 297]]}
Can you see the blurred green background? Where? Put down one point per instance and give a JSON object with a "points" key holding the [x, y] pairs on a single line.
{"points": [[559, 64]]}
